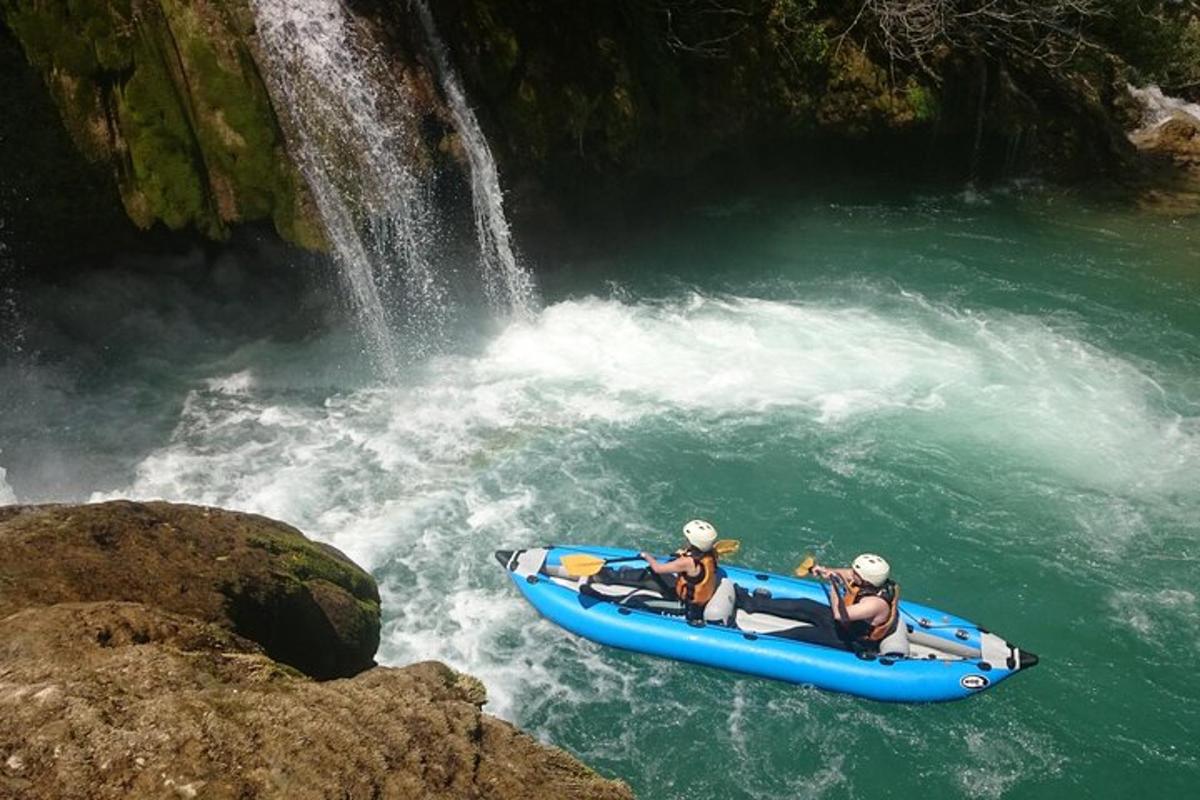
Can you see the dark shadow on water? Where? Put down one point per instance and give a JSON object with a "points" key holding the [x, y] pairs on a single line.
{"points": [[98, 361]]}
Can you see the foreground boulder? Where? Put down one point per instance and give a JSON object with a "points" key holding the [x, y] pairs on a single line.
{"points": [[305, 603], [124, 674]]}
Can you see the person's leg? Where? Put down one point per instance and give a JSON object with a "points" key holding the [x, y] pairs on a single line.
{"points": [[792, 608], [819, 628], [640, 577]]}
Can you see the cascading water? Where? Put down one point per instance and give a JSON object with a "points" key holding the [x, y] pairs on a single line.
{"points": [[351, 127], [509, 286], [1157, 107]]}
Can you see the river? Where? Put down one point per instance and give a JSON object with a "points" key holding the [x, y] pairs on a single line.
{"points": [[999, 391]]}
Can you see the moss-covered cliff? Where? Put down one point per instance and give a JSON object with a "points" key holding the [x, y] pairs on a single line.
{"points": [[166, 92], [582, 98], [588, 90], [611, 89]]}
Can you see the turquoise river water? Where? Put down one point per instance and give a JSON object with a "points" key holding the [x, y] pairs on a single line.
{"points": [[1000, 393]]}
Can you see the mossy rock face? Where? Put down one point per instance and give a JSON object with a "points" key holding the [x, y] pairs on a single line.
{"points": [[607, 90], [167, 92], [303, 602], [861, 97]]}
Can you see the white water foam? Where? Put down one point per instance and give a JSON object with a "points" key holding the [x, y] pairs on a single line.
{"points": [[1157, 107], [419, 482], [7, 495], [1162, 619], [995, 762]]}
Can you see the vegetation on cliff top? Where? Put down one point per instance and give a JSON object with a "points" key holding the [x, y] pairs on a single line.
{"points": [[626, 86]]}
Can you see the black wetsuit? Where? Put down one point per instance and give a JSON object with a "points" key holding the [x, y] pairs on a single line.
{"points": [[821, 629], [646, 578]]}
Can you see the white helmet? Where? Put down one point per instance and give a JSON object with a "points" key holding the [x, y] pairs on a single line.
{"points": [[700, 534], [872, 569]]}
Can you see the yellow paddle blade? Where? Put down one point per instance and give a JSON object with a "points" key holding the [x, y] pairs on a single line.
{"points": [[726, 547], [581, 565], [805, 567]]}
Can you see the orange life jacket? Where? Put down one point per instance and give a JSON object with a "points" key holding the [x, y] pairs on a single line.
{"points": [[890, 593], [697, 589]]}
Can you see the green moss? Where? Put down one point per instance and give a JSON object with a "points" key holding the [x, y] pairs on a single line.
{"points": [[82, 37], [197, 140], [166, 166], [922, 102], [307, 561], [233, 119]]}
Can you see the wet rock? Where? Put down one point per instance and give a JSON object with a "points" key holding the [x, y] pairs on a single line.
{"points": [[1174, 147], [166, 96]]}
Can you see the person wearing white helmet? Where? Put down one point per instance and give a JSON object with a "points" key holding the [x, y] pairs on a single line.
{"points": [[694, 567], [862, 611], [863, 599]]}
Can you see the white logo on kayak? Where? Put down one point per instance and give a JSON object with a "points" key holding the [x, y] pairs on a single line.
{"points": [[973, 682]]}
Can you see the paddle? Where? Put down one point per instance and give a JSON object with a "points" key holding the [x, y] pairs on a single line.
{"points": [[805, 567], [581, 565]]}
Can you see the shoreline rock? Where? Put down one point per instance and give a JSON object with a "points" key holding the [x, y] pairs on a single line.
{"points": [[135, 661], [1174, 146]]}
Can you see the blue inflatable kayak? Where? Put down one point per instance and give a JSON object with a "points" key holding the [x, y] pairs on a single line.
{"points": [[934, 656]]}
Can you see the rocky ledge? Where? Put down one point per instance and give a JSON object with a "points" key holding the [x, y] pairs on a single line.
{"points": [[160, 650], [1175, 144]]}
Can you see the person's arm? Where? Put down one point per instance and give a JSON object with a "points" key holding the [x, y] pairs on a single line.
{"points": [[837, 604], [845, 573], [681, 564]]}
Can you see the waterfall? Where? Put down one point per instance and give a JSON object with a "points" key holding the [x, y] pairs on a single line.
{"points": [[351, 127], [1157, 107], [508, 285]]}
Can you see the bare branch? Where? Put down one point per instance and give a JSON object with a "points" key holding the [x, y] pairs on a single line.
{"points": [[1048, 32]]}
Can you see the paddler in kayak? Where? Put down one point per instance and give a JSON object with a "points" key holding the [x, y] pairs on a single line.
{"points": [[862, 614], [694, 567]]}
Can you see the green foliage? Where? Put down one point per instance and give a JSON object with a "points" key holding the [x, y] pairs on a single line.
{"points": [[609, 85], [922, 101], [797, 34], [1160, 39]]}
